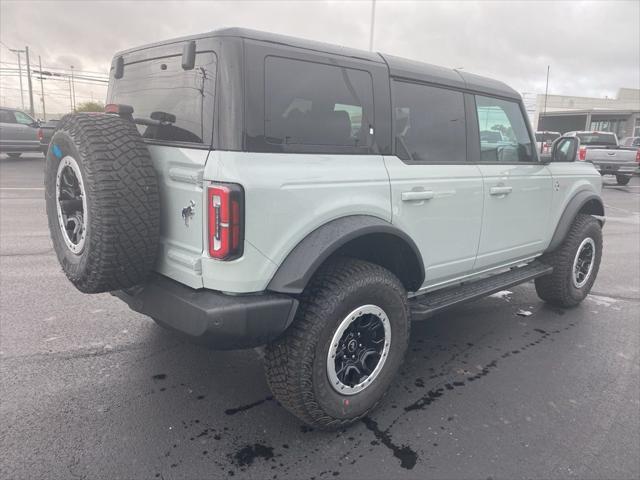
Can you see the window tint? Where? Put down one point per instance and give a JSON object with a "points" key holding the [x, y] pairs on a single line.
{"points": [[179, 101], [23, 118], [503, 133], [315, 104], [6, 116], [429, 123]]}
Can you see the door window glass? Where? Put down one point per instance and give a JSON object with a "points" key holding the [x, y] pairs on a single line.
{"points": [[503, 133], [429, 124], [23, 118], [316, 104]]}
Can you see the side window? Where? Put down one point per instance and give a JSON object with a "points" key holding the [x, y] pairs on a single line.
{"points": [[429, 124], [565, 150], [503, 133], [309, 103], [6, 116], [23, 118]]}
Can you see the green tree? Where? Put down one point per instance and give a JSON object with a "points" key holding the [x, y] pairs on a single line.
{"points": [[90, 107]]}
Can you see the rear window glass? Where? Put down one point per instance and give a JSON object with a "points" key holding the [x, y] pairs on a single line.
{"points": [[597, 139], [310, 103], [179, 102], [546, 136]]}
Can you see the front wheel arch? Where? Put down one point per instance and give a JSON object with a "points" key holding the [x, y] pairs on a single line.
{"points": [[584, 202]]}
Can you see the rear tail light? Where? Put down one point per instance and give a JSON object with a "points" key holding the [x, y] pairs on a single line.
{"points": [[545, 147], [226, 221], [638, 156], [40, 135], [582, 154]]}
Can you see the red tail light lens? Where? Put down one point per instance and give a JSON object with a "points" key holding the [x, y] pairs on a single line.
{"points": [[40, 135], [226, 222], [638, 156], [582, 154]]}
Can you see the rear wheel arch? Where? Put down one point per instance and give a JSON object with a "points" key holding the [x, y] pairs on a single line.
{"points": [[363, 237], [584, 202]]}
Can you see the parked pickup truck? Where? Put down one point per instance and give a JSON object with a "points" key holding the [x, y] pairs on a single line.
{"points": [[18, 132], [603, 150], [315, 199], [45, 132]]}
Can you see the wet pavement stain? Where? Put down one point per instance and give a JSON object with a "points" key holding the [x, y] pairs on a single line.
{"points": [[249, 453], [243, 408], [405, 454], [159, 376]]}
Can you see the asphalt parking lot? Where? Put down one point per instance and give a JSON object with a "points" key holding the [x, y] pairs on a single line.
{"points": [[91, 390]]}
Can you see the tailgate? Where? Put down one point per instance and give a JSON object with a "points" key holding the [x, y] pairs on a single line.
{"points": [[611, 157], [180, 172]]}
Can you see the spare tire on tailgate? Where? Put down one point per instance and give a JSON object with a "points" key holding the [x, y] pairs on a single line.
{"points": [[102, 202]]}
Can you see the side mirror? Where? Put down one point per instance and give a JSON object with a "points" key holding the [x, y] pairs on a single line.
{"points": [[565, 149]]}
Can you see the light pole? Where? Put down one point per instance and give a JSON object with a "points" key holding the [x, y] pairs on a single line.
{"points": [[73, 89], [546, 91], [18, 52], [29, 82], [373, 24], [44, 111]]}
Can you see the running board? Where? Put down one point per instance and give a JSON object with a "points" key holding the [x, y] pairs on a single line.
{"points": [[423, 306]]}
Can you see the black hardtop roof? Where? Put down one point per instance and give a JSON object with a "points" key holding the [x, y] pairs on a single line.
{"points": [[398, 67]]}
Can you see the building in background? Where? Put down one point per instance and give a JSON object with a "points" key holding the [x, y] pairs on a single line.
{"points": [[620, 115]]}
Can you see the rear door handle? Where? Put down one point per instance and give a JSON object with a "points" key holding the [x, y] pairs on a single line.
{"points": [[416, 196], [500, 190]]}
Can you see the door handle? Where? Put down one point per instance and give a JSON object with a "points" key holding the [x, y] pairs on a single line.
{"points": [[500, 190], [416, 195]]}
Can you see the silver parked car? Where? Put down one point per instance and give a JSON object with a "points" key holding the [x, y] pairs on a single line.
{"points": [[18, 132]]}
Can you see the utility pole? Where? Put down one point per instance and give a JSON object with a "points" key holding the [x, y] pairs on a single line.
{"points": [[373, 24], [546, 91], [70, 95], [29, 82], [73, 89], [18, 52], [44, 111]]}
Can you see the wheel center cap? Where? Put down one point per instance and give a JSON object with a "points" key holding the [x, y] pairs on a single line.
{"points": [[352, 345]]}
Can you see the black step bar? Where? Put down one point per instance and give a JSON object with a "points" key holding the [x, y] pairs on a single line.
{"points": [[428, 304]]}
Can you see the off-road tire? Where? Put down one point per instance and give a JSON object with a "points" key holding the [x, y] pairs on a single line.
{"points": [[296, 363], [14, 155], [622, 179], [123, 204], [558, 288]]}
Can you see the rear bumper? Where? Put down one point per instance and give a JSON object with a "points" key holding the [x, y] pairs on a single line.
{"points": [[214, 319]]}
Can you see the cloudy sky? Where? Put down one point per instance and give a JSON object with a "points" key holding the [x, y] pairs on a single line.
{"points": [[593, 47]]}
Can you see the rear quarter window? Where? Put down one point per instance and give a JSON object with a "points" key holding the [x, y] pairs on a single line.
{"points": [[315, 104], [158, 88]]}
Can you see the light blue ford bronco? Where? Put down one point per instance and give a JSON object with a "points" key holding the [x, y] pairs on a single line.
{"points": [[246, 189]]}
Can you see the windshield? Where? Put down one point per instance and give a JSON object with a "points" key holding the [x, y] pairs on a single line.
{"points": [[178, 102], [596, 138]]}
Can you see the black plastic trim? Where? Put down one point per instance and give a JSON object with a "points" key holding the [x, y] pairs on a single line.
{"points": [[302, 262], [214, 319], [574, 206]]}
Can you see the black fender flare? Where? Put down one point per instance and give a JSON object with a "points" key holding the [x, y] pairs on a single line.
{"points": [[585, 200], [301, 263]]}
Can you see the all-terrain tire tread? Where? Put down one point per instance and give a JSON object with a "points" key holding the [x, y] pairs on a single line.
{"points": [[288, 364], [121, 183]]}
